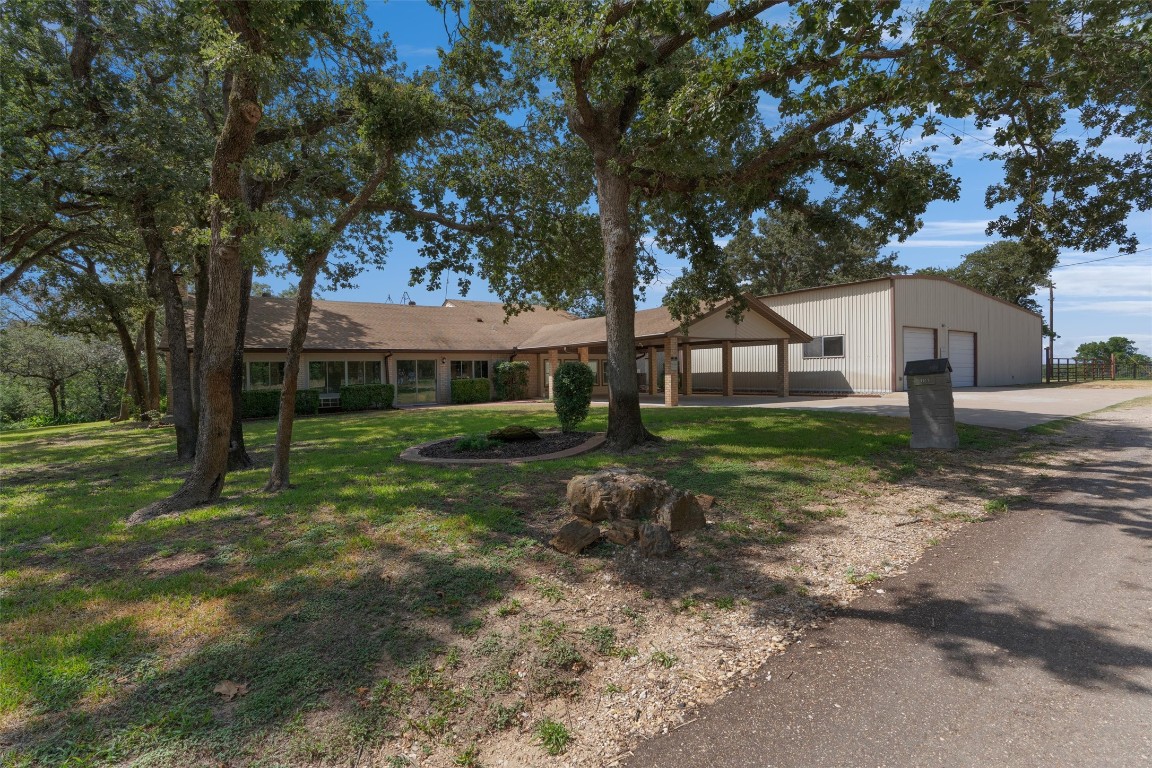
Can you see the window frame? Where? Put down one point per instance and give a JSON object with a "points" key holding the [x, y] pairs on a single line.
{"points": [[823, 342]]}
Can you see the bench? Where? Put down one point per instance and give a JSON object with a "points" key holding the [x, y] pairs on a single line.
{"points": [[329, 399]]}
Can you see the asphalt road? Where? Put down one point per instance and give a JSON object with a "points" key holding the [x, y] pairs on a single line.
{"points": [[1025, 641]]}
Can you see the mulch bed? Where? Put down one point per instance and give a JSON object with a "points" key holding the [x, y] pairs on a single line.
{"points": [[549, 442]]}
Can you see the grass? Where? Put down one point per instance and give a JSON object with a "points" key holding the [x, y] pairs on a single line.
{"points": [[354, 606], [554, 736]]}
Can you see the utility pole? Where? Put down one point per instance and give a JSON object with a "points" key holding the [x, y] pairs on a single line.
{"points": [[1051, 326]]}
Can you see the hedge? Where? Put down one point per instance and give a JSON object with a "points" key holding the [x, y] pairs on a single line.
{"points": [[471, 390], [512, 380], [361, 397], [265, 403]]}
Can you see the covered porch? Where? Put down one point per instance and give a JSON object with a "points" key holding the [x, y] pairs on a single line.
{"points": [[664, 348]]}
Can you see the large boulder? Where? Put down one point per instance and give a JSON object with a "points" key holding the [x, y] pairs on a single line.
{"points": [[614, 494]]}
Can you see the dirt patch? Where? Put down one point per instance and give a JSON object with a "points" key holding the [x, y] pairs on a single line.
{"points": [[166, 566]]}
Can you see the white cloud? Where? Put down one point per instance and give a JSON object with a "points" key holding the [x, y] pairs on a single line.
{"points": [[1105, 281], [1137, 307], [927, 242]]}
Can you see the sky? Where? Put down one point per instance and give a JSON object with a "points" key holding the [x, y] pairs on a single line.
{"points": [[1097, 295]]}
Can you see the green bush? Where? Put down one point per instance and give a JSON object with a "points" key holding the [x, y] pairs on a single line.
{"points": [[572, 393], [512, 380], [471, 390], [259, 403], [265, 403], [477, 442], [361, 397]]}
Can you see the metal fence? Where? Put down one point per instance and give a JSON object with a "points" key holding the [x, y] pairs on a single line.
{"points": [[1071, 369]]}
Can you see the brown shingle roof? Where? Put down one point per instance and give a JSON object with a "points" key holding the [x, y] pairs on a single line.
{"points": [[350, 325]]}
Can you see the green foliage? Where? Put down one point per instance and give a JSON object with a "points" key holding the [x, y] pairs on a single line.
{"points": [[471, 390], [265, 403], [572, 393], [1124, 349], [476, 442], [554, 736], [664, 659], [362, 397], [62, 378], [511, 380]]}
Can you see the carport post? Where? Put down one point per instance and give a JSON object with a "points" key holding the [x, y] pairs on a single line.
{"points": [[553, 364], [782, 368], [583, 354], [653, 386], [671, 373], [729, 379], [687, 369]]}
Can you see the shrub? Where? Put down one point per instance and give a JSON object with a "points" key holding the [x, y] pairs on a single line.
{"points": [[265, 403], [361, 397], [471, 390], [512, 380], [259, 403], [477, 442], [572, 393]]}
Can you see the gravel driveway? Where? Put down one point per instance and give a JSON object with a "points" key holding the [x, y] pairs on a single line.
{"points": [[1021, 642]]}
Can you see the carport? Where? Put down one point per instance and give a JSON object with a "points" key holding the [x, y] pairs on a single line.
{"points": [[659, 334]]}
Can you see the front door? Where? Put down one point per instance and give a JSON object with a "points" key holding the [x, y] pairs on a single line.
{"points": [[415, 381]]}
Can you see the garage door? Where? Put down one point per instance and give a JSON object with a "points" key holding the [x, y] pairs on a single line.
{"points": [[919, 344], [962, 357]]}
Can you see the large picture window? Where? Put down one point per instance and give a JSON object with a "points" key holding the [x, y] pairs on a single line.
{"points": [[825, 346], [330, 375], [265, 375], [469, 369]]}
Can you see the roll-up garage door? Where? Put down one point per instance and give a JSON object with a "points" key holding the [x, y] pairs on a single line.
{"points": [[919, 344], [962, 357]]}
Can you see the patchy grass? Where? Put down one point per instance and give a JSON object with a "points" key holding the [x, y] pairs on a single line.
{"points": [[359, 607]]}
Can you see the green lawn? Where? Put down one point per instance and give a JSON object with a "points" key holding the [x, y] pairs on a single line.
{"points": [[351, 606]]}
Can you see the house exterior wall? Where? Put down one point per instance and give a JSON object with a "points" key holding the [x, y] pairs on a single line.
{"points": [[1008, 339], [862, 313]]}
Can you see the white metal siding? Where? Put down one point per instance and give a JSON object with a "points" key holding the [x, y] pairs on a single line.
{"points": [[862, 313], [962, 356], [1009, 344]]}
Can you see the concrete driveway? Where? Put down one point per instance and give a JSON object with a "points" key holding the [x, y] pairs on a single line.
{"points": [[1003, 407]]}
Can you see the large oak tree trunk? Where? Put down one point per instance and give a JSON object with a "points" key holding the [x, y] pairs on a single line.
{"points": [[238, 457], [179, 365], [137, 387], [625, 426], [225, 276]]}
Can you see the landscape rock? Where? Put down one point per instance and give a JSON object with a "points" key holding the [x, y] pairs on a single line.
{"points": [[705, 500], [513, 433], [167, 420], [622, 532], [655, 541], [574, 537], [681, 512], [614, 494]]}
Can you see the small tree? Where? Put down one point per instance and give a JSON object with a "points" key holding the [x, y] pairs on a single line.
{"points": [[512, 380], [1124, 349], [572, 393]]}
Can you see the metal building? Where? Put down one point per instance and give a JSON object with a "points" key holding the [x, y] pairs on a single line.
{"points": [[864, 332]]}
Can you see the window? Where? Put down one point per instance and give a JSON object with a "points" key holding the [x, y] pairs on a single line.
{"points": [[825, 346], [329, 376], [595, 366], [469, 369], [265, 375]]}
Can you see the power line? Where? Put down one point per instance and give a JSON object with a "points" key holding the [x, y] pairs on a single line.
{"points": [[1106, 258]]}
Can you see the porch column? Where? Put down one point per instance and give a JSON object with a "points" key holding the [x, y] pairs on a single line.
{"points": [[687, 369], [671, 372], [729, 379], [782, 368], [653, 387], [553, 364], [583, 353]]}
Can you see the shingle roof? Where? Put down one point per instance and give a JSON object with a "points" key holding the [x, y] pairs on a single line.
{"points": [[350, 325]]}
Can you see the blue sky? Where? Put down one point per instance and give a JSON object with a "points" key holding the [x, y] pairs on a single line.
{"points": [[1093, 301]]}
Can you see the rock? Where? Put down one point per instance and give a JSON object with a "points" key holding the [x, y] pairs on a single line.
{"points": [[655, 541], [622, 532], [615, 494], [513, 433], [705, 500], [574, 537], [681, 512], [167, 420]]}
